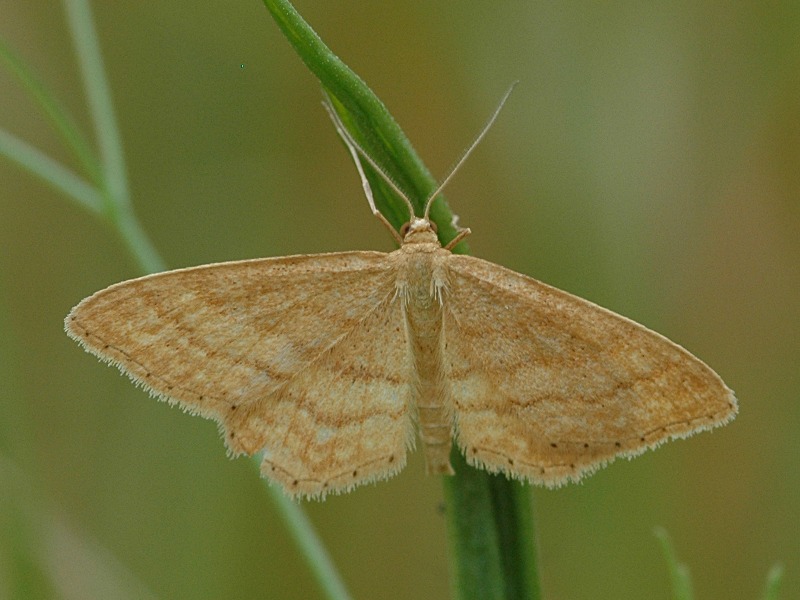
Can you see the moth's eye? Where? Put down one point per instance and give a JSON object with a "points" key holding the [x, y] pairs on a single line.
{"points": [[404, 229], [434, 227]]}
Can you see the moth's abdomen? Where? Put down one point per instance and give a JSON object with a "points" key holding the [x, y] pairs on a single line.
{"points": [[420, 293]]}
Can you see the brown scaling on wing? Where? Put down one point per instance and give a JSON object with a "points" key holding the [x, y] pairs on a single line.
{"points": [[220, 340], [549, 387], [345, 418]]}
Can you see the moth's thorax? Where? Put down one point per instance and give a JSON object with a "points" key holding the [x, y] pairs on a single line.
{"points": [[421, 273]]}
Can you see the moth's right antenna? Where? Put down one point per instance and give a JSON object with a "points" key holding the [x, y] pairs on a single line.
{"points": [[355, 151], [468, 151]]}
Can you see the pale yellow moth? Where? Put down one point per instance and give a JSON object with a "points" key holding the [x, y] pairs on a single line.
{"points": [[328, 363]]}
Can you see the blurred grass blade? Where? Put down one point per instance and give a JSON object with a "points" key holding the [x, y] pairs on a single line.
{"points": [[80, 568], [21, 575], [16, 433], [98, 94], [774, 581], [116, 191], [678, 572], [110, 196], [490, 527], [52, 172], [48, 557], [309, 543], [58, 116]]}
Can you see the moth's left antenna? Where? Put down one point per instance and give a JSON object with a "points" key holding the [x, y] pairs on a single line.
{"points": [[355, 151]]}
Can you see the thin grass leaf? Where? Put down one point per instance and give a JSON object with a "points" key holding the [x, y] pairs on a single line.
{"points": [[309, 542], [774, 581], [116, 191], [61, 120], [98, 95], [51, 172], [21, 574], [678, 572], [50, 558], [110, 195]]}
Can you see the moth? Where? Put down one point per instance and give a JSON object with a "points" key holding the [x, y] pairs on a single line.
{"points": [[331, 365]]}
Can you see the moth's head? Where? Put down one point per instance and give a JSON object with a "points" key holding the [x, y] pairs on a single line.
{"points": [[419, 231]]}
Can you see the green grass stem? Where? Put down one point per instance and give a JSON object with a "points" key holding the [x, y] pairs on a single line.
{"points": [[489, 517]]}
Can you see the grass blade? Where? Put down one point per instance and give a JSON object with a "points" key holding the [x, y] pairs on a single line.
{"points": [[774, 582], [98, 95], [369, 121], [58, 116], [678, 571], [51, 172], [490, 528], [309, 543]]}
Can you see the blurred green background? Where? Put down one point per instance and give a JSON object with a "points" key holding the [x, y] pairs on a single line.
{"points": [[649, 161]]}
